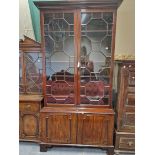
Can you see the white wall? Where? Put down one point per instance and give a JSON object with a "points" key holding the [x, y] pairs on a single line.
{"points": [[25, 23], [125, 31]]}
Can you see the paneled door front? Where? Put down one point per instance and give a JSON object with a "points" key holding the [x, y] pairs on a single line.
{"points": [[95, 129], [58, 128]]}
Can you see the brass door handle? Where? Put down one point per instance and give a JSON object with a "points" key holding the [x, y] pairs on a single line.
{"points": [[78, 65], [130, 143]]}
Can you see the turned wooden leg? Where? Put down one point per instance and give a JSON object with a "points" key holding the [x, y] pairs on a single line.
{"points": [[43, 148], [110, 151]]}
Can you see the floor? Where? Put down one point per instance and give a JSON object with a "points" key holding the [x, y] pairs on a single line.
{"points": [[27, 148]]}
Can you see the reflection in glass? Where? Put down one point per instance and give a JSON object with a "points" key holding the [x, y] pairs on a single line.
{"points": [[33, 63], [97, 24], [60, 58], [95, 57]]}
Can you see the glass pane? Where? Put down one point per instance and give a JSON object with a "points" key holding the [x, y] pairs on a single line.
{"points": [[69, 18], [95, 57], [59, 42], [33, 63], [97, 24]]}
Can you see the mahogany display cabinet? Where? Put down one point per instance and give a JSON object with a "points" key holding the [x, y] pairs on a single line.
{"points": [[77, 43], [125, 109], [30, 89]]}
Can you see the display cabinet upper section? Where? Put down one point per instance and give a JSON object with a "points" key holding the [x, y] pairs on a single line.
{"points": [[78, 4]]}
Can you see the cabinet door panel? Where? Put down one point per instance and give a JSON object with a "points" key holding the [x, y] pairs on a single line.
{"points": [[58, 128], [60, 57], [30, 126], [95, 57], [94, 129]]}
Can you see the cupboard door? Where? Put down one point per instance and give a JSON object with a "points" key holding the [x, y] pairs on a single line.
{"points": [[95, 129], [58, 128], [29, 123], [96, 57], [59, 57]]}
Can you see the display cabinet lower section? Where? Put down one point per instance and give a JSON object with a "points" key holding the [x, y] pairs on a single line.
{"points": [[81, 127]]}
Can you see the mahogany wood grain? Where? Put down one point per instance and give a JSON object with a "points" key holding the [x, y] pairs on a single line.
{"points": [[29, 108]]}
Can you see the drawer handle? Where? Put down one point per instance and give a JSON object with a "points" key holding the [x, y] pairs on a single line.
{"points": [[130, 143], [28, 107]]}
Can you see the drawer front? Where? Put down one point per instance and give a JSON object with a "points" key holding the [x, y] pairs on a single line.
{"points": [[27, 106], [130, 100], [127, 122], [129, 119], [125, 142]]}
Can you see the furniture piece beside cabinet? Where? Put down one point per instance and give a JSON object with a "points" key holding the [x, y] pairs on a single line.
{"points": [[30, 89], [29, 111], [125, 109]]}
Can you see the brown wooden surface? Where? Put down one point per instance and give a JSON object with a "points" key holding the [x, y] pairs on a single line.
{"points": [[77, 126], [95, 129], [76, 76], [37, 98], [125, 141], [126, 97], [125, 110], [78, 4], [43, 54], [77, 110], [113, 51], [29, 126], [29, 44], [29, 108], [58, 128]]}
